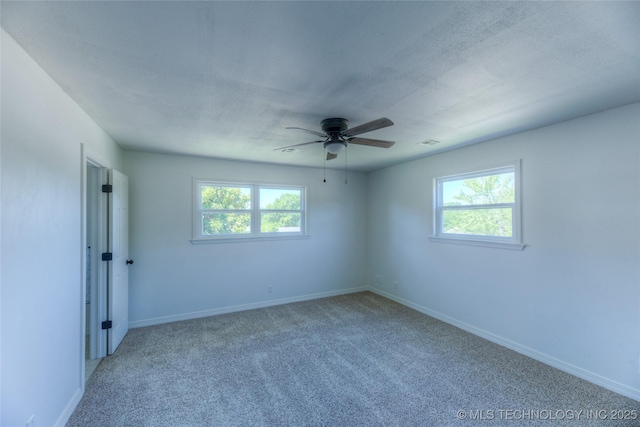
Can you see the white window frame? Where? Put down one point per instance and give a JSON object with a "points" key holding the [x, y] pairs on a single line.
{"points": [[255, 213], [514, 242]]}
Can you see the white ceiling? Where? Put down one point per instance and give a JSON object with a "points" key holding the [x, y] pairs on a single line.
{"points": [[224, 79]]}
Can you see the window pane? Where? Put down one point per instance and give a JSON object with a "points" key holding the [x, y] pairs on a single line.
{"points": [[482, 190], [484, 222], [225, 197], [226, 223], [280, 199], [280, 222]]}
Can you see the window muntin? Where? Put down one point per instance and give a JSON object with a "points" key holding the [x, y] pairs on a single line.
{"points": [[480, 205], [229, 210]]}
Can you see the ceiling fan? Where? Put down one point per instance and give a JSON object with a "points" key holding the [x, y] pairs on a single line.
{"points": [[336, 135]]}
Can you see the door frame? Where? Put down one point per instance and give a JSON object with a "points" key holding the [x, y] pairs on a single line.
{"points": [[97, 336]]}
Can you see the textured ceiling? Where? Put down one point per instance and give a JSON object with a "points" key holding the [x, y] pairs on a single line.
{"points": [[224, 79]]}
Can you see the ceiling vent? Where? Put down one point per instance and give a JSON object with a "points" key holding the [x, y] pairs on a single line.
{"points": [[429, 142]]}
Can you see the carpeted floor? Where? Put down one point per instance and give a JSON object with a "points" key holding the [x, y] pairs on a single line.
{"points": [[353, 360]]}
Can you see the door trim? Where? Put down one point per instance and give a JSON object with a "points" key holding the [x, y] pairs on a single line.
{"points": [[99, 308]]}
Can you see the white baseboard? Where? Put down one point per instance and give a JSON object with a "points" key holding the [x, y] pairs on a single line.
{"points": [[534, 354], [68, 410], [241, 307]]}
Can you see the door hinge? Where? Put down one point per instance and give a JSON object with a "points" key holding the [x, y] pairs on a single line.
{"points": [[107, 324], [107, 188], [107, 256]]}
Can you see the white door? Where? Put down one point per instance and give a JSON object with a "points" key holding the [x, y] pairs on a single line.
{"points": [[118, 282]]}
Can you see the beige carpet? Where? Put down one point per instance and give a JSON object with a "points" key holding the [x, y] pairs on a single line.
{"points": [[354, 360]]}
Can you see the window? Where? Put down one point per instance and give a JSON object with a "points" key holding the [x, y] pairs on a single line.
{"points": [[280, 210], [480, 207], [230, 211]]}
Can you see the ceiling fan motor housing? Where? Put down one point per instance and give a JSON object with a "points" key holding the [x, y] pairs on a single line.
{"points": [[334, 125]]}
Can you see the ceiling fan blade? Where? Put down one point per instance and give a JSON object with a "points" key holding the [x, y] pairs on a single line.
{"points": [[331, 156], [296, 145], [368, 127], [372, 142], [310, 131]]}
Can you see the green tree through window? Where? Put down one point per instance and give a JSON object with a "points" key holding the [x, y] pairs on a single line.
{"points": [[282, 220], [224, 208], [480, 206]]}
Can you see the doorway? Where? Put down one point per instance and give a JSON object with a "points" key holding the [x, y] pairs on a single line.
{"points": [[105, 285], [95, 244]]}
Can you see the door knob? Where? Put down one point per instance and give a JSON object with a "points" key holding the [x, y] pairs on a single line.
{"points": [[129, 261]]}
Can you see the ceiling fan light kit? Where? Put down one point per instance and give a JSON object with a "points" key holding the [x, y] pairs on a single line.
{"points": [[335, 147]]}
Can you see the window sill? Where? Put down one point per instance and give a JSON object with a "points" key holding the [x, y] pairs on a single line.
{"points": [[248, 239], [475, 242]]}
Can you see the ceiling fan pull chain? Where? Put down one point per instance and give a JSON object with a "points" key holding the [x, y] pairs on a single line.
{"points": [[346, 162], [324, 167]]}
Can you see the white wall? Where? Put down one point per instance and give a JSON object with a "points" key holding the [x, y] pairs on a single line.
{"points": [[41, 301], [571, 298], [174, 279]]}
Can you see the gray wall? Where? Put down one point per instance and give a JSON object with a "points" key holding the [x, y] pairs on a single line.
{"points": [[174, 279], [42, 292], [571, 298]]}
